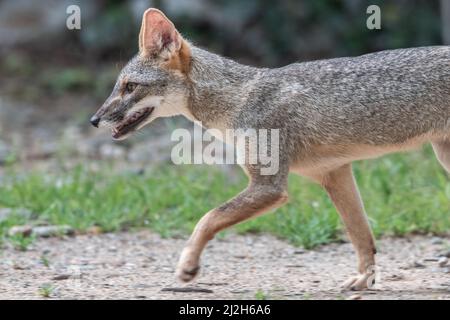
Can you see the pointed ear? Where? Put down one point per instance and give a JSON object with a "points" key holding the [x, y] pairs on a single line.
{"points": [[158, 36]]}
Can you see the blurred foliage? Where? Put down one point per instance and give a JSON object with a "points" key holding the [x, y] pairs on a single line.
{"points": [[256, 32], [68, 79], [263, 32], [275, 33], [112, 30]]}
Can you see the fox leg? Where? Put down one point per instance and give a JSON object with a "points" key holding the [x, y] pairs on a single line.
{"points": [[263, 193], [343, 191], [442, 150]]}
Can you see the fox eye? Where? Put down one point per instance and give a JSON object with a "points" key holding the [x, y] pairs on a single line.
{"points": [[130, 87]]}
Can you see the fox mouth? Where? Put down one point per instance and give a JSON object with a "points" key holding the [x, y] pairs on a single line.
{"points": [[131, 122]]}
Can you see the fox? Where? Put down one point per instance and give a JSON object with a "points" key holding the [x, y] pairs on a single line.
{"points": [[329, 113]]}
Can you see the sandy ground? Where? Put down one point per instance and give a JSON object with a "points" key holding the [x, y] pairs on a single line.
{"points": [[141, 266]]}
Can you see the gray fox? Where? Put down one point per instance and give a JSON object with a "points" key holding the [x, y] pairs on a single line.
{"points": [[329, 113]]}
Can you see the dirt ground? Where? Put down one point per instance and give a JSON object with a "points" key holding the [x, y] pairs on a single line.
{"points": [[141, 266]]}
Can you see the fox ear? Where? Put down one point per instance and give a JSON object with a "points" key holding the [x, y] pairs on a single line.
{"points": [[158, 36]]}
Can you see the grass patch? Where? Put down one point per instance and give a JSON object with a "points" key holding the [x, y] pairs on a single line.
{"points": [[21, 242], [403, 193], [261, 295], [46, 290]]}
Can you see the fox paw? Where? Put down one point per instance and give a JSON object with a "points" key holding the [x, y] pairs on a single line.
{"points": [[360, 282], [187, 274], [187, 268]]}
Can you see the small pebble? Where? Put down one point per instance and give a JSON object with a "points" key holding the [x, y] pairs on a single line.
{"points": [[41, 231], [436, 240], [24, 231], [52, 231], [442, 262], [61, 277]]}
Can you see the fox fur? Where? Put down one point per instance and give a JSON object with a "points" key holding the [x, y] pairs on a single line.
{"points": [[329, 113]]}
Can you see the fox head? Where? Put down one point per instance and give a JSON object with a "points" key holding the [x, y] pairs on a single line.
{"points": [[153, 84]]}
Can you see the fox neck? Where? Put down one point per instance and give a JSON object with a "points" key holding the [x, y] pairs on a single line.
{"points": [[219, 88]]}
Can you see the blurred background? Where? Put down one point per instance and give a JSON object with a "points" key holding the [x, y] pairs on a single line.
{"points": [[52, 79]]}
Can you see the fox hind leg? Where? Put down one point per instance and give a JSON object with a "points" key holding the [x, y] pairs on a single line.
{"points": [[343, 191]]}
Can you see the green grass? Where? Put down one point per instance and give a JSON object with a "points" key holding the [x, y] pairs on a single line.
{"points": [[21, 242], [261, 295], [45, 261], [46, 290], [403, 193]]}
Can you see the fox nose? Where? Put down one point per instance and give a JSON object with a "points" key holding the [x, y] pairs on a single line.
{"points": [[95, 121]]}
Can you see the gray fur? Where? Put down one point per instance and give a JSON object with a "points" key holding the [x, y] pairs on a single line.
{"points": [[329, 112], [381, 98]]}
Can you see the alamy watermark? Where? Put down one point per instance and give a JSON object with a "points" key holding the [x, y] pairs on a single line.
{"points": [[248, 146], [373, 22], [73, 21]]}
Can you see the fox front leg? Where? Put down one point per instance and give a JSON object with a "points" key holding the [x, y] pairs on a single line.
{"points": [[262, 194]]}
